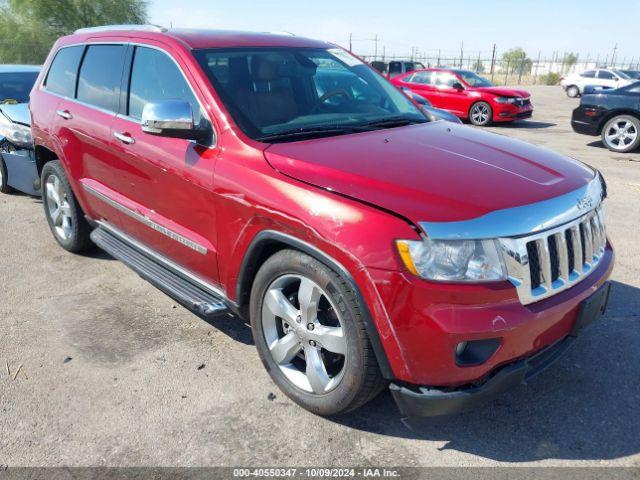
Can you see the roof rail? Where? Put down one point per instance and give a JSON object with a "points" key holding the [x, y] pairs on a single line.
{"points": [[109, 28]]}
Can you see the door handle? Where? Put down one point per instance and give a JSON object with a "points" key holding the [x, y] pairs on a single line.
{"points": [[64, 114], [124, 137]]}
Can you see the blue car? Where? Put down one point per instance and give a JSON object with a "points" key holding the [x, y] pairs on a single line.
{"points": [[17, 160]]}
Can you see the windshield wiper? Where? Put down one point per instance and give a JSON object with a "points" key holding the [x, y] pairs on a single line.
{"points": [[313, 132], [391, 122]]}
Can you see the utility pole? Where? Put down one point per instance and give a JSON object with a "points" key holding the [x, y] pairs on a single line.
{"points": [[461, 53], [384, 52], [375, 39], [351, 42], [535, 74], [613, 57], [493, 61], [438, 64]]}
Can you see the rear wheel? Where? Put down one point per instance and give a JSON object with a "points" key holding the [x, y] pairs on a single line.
{"points": [[481, 114], [64, 215], [310, 336], [621, 134], [4, 178], [573, 91]]}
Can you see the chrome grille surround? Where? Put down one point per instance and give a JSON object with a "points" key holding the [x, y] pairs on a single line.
{"points": [[588, 249], [577, 216]]}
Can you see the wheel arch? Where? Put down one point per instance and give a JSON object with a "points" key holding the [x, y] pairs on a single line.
{"points": [[267, 243], [43, 156]]}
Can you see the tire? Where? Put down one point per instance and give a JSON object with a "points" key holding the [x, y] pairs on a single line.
{"points": [[4, 177], [481, 114], [621, 134], [573, 91], [64, 215], [338, 382]]}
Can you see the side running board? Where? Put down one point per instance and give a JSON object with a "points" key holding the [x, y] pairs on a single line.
{"points": [[178, 286]]}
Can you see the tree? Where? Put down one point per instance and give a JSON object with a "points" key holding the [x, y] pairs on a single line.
{"points": [[516, 61], [28, 28], [478, 66], [569, 60]]}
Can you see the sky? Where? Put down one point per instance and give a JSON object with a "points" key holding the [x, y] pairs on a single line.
{"points": [[587, 27]]}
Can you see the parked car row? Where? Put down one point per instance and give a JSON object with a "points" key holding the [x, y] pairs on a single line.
{"points": [[284, 180]]}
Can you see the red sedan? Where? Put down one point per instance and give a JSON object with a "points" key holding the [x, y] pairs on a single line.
{"points": [[468, 95]]}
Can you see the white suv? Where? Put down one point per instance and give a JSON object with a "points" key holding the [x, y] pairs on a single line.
{"points": [[574, 84]]}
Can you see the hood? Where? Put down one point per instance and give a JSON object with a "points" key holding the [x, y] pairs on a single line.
{"points": [[17, 113], [437, 172], [504, 91]]}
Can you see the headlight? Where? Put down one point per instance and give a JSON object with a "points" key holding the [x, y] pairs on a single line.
{"points": [[506, 99], [18, 135], [453, 260]]}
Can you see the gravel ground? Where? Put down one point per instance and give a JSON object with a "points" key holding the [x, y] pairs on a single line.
{"points": [[114, 373]]}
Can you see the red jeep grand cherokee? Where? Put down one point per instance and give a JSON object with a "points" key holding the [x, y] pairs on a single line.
{"points": [[468, 95], [282, 179]]}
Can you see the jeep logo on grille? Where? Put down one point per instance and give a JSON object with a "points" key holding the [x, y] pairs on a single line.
{"points": [[584, 203]]}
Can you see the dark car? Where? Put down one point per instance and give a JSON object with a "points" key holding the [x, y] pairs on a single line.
{"points": [[613, 114], [635, 74], [17, 162]]}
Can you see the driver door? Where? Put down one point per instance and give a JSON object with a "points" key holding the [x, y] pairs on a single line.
{"points": [[166, 183], [452, 99]]}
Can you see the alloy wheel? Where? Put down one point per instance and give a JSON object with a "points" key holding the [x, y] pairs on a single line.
{"points": [[304, 334], [621, 134], [480, 114], [58, 207]]}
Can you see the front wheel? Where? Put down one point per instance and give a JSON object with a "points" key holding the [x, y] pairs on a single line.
{"points": [[64, 215], [4, 177], [310, 335], [621, 134], [481, 114]]}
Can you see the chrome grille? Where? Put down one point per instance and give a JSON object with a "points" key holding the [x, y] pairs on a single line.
{"points": [[546, 263]]}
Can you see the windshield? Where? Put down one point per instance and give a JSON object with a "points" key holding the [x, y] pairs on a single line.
{"points": [[473, 79], [281, 91], [16, 86]]}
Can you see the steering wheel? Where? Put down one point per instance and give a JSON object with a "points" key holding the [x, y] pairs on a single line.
{"points": [[330, 94]]}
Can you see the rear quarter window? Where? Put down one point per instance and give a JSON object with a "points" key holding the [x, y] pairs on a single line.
{"points": [[62, 75]]}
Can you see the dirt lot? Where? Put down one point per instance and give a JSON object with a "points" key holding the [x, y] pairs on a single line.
{"points": [[114, 373]]}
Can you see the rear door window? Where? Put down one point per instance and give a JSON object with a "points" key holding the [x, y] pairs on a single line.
{"points": [[62, 75], [606, 75], [156, 77], [100, 76], [421, 78]]}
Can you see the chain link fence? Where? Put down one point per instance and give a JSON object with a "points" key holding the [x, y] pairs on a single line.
{"points": [[523, 71]]}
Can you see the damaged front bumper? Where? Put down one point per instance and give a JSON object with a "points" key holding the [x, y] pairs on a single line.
{"points": [[427, 401]]}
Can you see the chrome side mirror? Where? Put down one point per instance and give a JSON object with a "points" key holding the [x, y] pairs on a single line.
{"points": [[170, 118]]}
